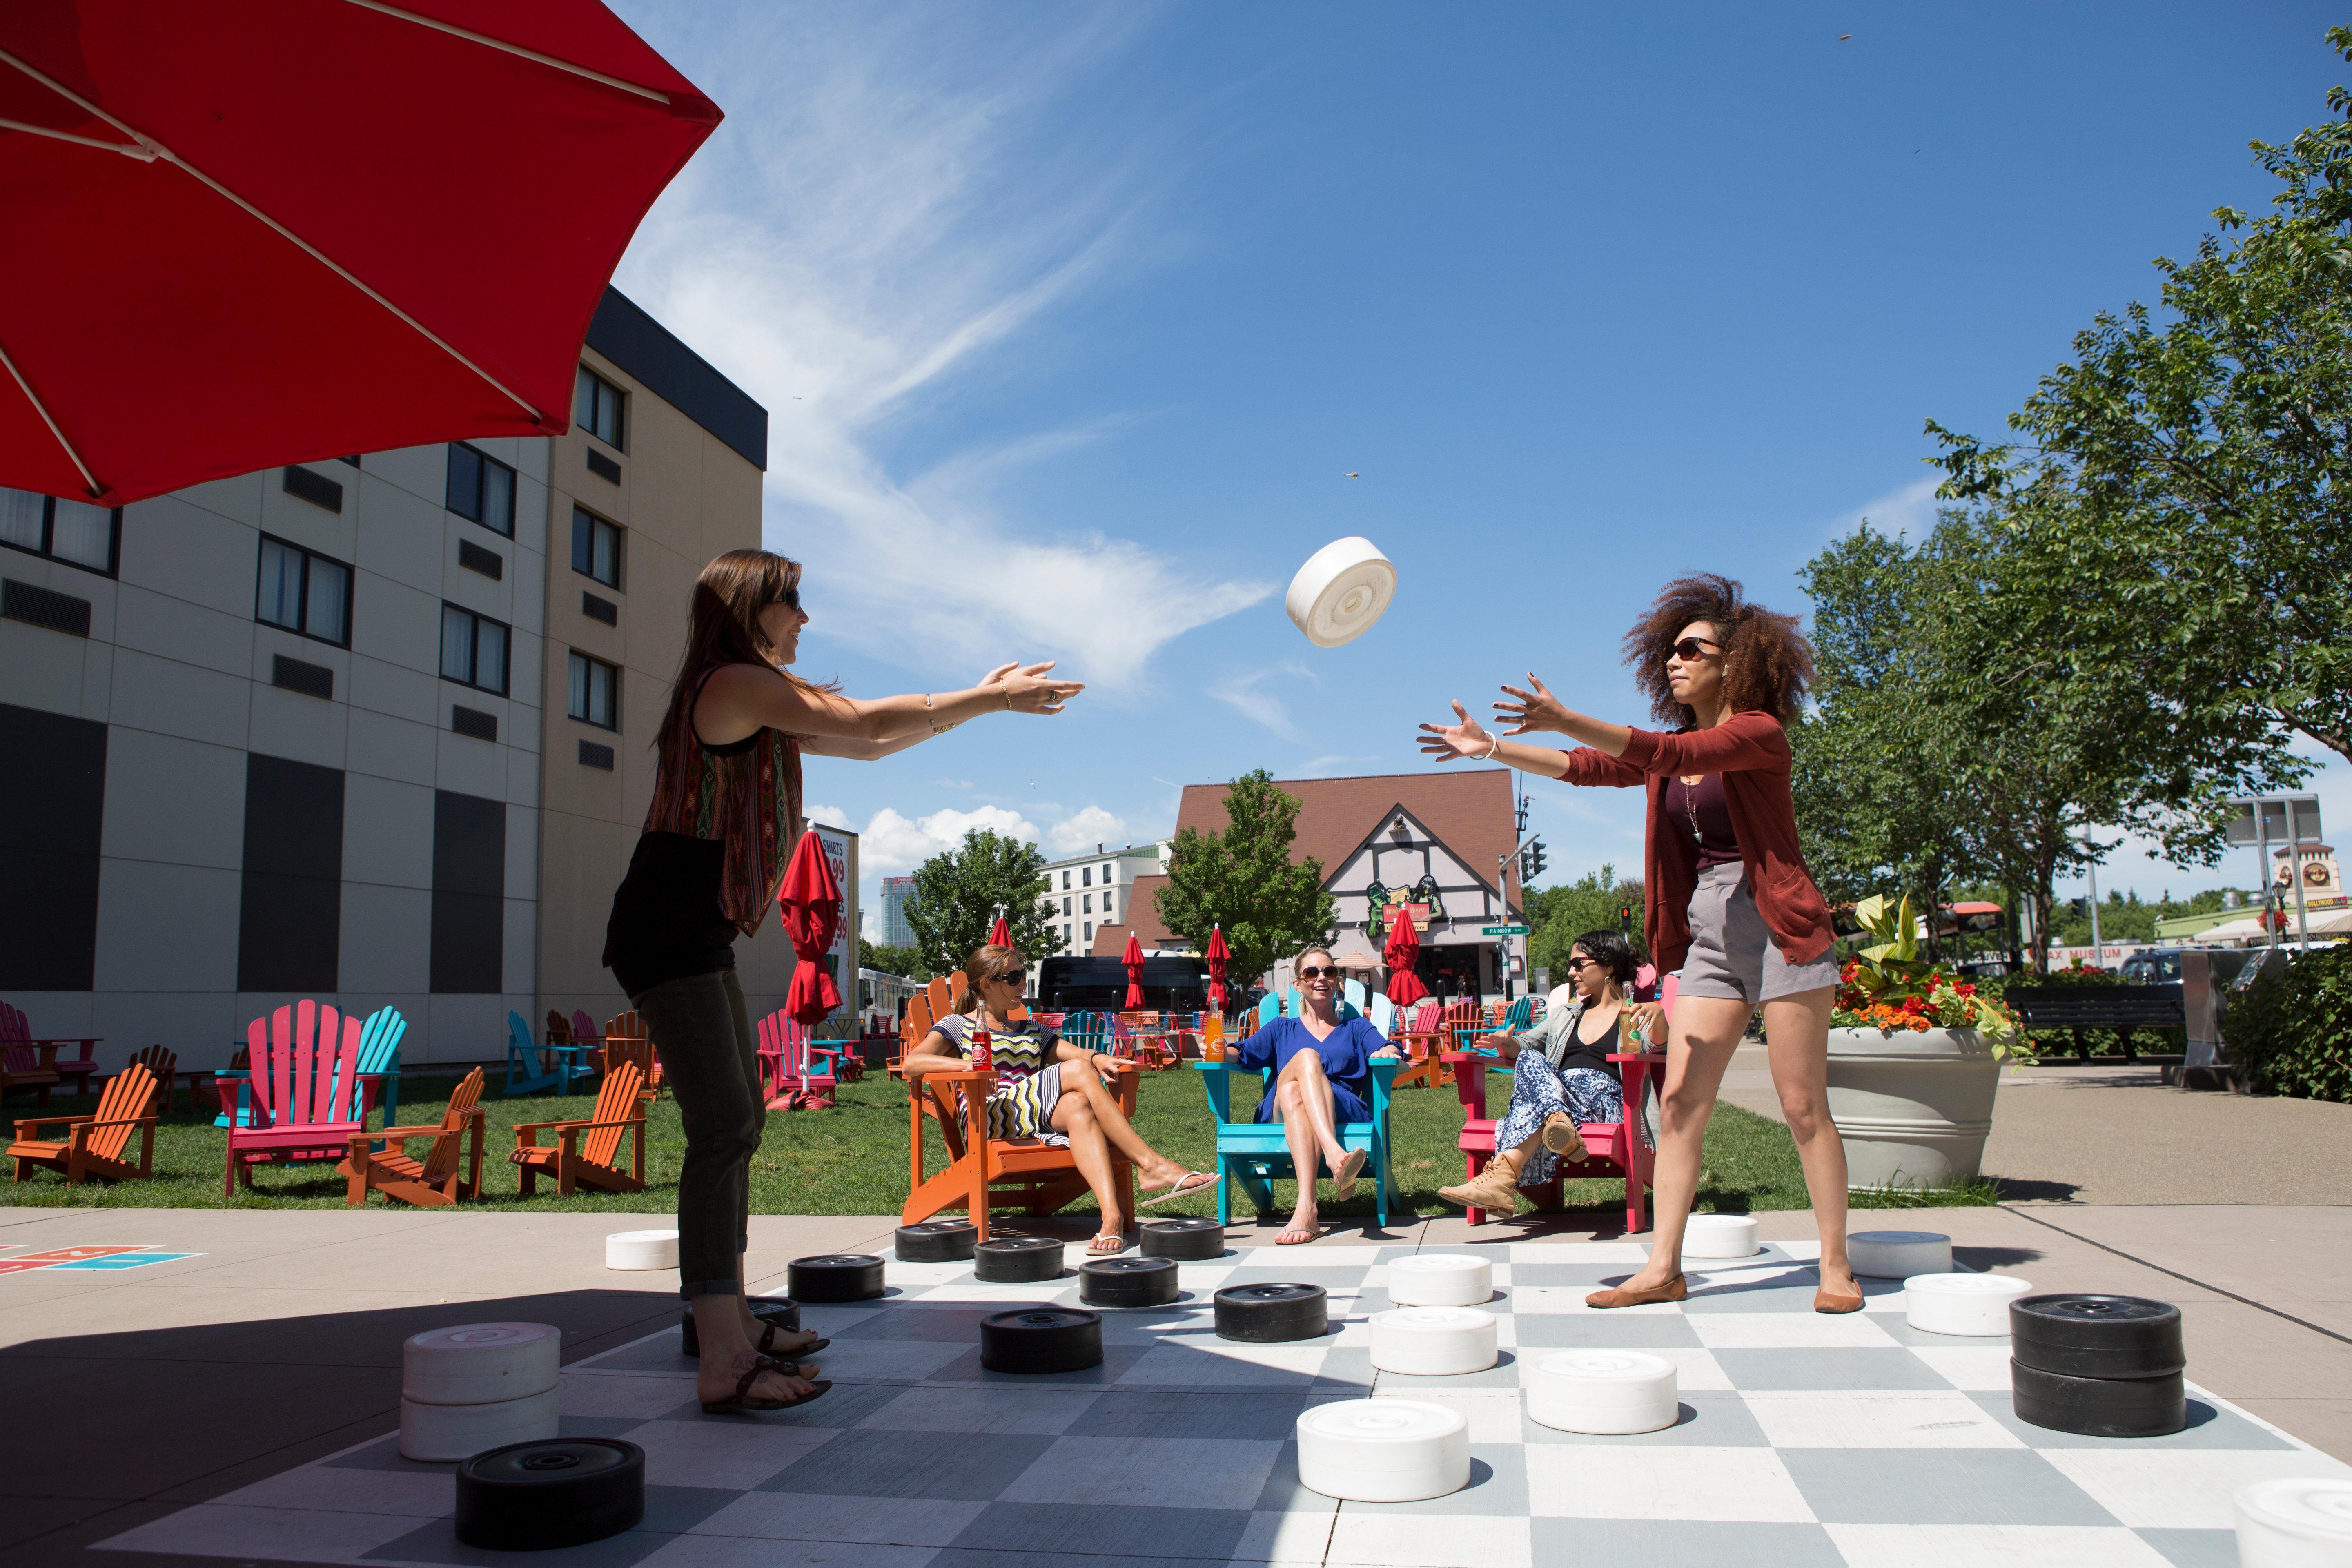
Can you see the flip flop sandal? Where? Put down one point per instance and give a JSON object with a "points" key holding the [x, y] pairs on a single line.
{"points": [[1106, 1246], [1344, 1178], [767, 1345], [740, 1402], [1184, 1184], [1319, 1232]]}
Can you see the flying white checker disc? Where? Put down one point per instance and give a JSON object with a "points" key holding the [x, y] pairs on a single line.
{"points": [[1343, 588]]}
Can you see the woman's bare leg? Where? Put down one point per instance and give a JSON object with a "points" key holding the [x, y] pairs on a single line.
{"points": [[1706, 1031], [1305, 1070], [1797, 1040], [1088, 1149], [1156, 1169], [1291, 1108]]}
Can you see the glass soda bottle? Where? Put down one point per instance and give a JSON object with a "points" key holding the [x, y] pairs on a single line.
{"points": [[984, 1054]]}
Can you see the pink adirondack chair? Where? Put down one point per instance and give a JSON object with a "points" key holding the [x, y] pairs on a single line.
{"points": [[28, 1063], [1610, 1148], [583, 1029], [307, 1100], [788, 1061]]}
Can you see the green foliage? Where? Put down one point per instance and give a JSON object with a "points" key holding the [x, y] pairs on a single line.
{"points": [[1888, 984], [2124, 918], [957, 895], [1559, 915], [2205, 564], [907, 962], [1243, 879], [2292, 1028]]}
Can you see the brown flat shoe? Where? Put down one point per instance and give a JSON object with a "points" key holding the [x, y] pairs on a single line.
{"points": [[1825, 1303], [1674, 1289]]}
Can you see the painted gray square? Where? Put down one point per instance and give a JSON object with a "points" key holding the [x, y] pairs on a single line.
{"points": [[1612, 1330], [1118, 1360], [1898, 1328], [1284, 1490], [885, 1463], [1044, 1412], [842, 1406], [1681, 1543], [1171, 1414], [2194, 1548], [1573, 1275], [1346, 1367], [2209, 1427], [1710, 1418], [384, 1454], [670, 1511], [956, 1323], [1504, 1373], [1329, 1279], [659, 1353], [1937, 1486], [1498, 1488], [1044, 1532], [1844, 1368]]}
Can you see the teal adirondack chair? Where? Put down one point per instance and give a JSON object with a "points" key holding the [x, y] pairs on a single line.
{"points": [[1255, 1155], [1354, 991], [1270, 1008], [531, 1066], [1520, 1015], [378, 1072], [1385, 1014]]}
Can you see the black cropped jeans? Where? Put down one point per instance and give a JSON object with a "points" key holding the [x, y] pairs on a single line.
{"points": [[702, 1032]]}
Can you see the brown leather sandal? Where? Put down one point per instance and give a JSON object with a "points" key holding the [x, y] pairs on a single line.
{"points": [[740, 1402], [1674, 1289], [767, 1345]]}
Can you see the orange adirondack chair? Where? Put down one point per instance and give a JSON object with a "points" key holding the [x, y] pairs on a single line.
{"points": [[1141, 1032], [93, 1144], [164, 1064], [626, 1040], [943, 996], [586, 1153], [434, 1181], [1421, 1040], [1038, 1178]]}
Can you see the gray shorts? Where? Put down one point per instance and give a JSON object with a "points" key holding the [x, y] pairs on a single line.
{"points": [[1732, 954]]}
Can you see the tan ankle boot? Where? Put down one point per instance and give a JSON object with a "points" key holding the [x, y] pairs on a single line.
{"points": [[1492, 1188]]}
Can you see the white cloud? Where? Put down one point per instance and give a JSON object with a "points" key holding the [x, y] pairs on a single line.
{"points": [[882, 213], [1907, 513], [951, 784], [1248, 695], [830, 815], [1089, 826], [893, 843]]}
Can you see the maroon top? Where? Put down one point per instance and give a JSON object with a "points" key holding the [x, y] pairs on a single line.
{"points": [[1750, 751], [1701, 810]]}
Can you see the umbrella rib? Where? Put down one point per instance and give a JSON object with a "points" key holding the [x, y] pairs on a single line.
{"points": [[516, 49], [157, 150], [143, 154], [43, 410]]}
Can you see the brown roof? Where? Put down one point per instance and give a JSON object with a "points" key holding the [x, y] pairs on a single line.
{"points": [[1468, 812]]}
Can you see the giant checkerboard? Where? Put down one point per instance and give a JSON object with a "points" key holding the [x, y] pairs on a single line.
{"points": [[1803, 1439]]}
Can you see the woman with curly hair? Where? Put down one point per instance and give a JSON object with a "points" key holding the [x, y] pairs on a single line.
{"points": [[1731, 905]]}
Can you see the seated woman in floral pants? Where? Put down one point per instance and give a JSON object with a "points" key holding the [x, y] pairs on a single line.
{"points": [[1561, 1077]]}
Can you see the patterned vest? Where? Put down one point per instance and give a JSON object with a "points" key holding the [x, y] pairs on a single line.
{"points": [[751, 800]]}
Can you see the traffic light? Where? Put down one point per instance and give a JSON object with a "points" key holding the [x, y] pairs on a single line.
{"points": [[2080, 908], [1531, 862], [1625, 918]]}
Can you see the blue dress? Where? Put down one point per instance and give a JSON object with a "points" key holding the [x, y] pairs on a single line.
{"points": [[1346, 1055]]}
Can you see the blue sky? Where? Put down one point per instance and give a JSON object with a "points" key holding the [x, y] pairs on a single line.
{"points": [[1073, 320]]}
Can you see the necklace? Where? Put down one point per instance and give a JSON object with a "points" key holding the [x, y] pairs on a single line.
{"points": [[1690, 803]]}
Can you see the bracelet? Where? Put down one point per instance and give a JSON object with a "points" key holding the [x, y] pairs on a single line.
{"points": [[1008, 695], [1493, 746]]}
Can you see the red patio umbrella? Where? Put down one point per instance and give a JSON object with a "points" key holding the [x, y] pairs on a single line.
{"points": [[811, 902], [1403, 949], [1001, 933], [253, 232], [1218, 953], [1133, 959]]}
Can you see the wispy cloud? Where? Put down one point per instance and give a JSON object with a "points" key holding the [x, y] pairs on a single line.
{"points": [[1249, 695], [888, 207], [1091, 826], [893, 843], [1908, 512]]}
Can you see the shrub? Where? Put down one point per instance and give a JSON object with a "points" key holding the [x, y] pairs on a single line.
{"points": [[2293, 1029]]}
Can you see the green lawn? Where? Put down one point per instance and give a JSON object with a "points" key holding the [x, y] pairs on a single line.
{"points": [[852, 1159]]}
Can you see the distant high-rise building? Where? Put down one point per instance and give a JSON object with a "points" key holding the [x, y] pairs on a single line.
{"points": [[897, 893]]}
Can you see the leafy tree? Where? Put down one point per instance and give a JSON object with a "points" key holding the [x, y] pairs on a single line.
{"points": [[907, 962], [1559, 915], [2206, 558], [1244, 880], [959, 894]]}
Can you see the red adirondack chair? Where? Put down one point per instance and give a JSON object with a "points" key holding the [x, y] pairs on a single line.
{"points": [[93, 1144], [28, 1063], [789, 1065], [306, 1100], [164, 1064]]}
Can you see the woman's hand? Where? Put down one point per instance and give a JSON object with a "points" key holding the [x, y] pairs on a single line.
{"points": [[1026, 689], [1502, 1045], [1649, 1019], [1452, 743], [1534, 710]]}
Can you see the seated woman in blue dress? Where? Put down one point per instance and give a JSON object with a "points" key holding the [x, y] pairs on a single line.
{"points": [[1322, 1081]]}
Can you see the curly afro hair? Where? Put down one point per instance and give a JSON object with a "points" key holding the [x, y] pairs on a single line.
{"points": [[1767, 662]]}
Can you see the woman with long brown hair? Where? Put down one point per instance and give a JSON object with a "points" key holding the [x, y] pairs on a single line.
{"points": [[1731, 905], [725, 816]]}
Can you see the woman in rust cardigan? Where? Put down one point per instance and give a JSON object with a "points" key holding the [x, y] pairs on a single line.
{"points": [[1731, 906]]}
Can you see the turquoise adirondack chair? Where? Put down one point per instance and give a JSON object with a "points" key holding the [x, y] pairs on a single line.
{"points": [[1520, 1015], [1254, 1154], [1087, 1031], [531, 1066], [1270, 1008], [1385, 1014], [1354, 991], [379, 1071]]}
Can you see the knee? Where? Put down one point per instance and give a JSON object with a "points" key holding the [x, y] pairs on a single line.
{"points": [[1077, 1114], [1681, 1108], [1288, 1095], [1805, 1117]]}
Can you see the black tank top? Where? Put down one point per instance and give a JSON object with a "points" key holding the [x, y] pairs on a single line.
{"points": [[667, 922]]}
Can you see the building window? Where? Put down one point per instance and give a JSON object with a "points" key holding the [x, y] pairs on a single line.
{"points": [[75, 532], [1089, 899], [595, 548], [1085, 876], [1065, 884], [1090, 930], [304, 591], [481, 487], [595, 692], [1105, 875], [596, 408], [473, 650], [1105, 903], [1065, 906]]}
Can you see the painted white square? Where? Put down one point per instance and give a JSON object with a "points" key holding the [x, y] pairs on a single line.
{"points": [[1149, 1472], [1493, 1414], [2180, 1489], [1878, 1421], [1979, 1369], [639, 1397], [1695, 1368], [1601, 1252], [1571, 1299], [1758, 1331], [1309, 1258], [303, 728], [409, 1493], [1430, 1541], [1625, 1481], [1995, 1546], [1298, 1536], [698, 1551]]}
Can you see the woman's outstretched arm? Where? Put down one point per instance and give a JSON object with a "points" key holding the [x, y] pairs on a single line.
{"points": [[1467, 740], [741, 697]]}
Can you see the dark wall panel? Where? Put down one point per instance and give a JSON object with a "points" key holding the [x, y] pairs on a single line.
{"points": [[290, 913], [52, 812], [469, 888]]}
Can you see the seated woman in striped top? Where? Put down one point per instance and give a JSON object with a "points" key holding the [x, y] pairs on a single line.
{"points": [[1048, 1089]]}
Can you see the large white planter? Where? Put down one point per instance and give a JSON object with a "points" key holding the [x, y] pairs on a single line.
{"points": [[1912, 1107]]}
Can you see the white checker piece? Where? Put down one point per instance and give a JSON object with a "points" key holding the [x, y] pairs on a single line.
{"points": [[1812, 1438]]}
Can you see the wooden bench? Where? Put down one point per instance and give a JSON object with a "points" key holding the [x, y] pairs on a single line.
{"points": [[2126, 1009]]}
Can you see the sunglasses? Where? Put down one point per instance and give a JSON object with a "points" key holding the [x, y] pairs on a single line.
{"points": [[1317, 971], [1018, 978], [1691, 647], [1575, 964], [791, 599]]}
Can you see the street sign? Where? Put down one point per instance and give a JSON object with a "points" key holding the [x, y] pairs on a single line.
{"points": [[2285, 819], [1505, 931]]}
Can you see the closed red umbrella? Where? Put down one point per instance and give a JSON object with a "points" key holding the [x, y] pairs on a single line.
{"points": [[1133, 959], [1001, 933], [1218, 955], [253, 232], [811, 902], [1403, 951]]}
